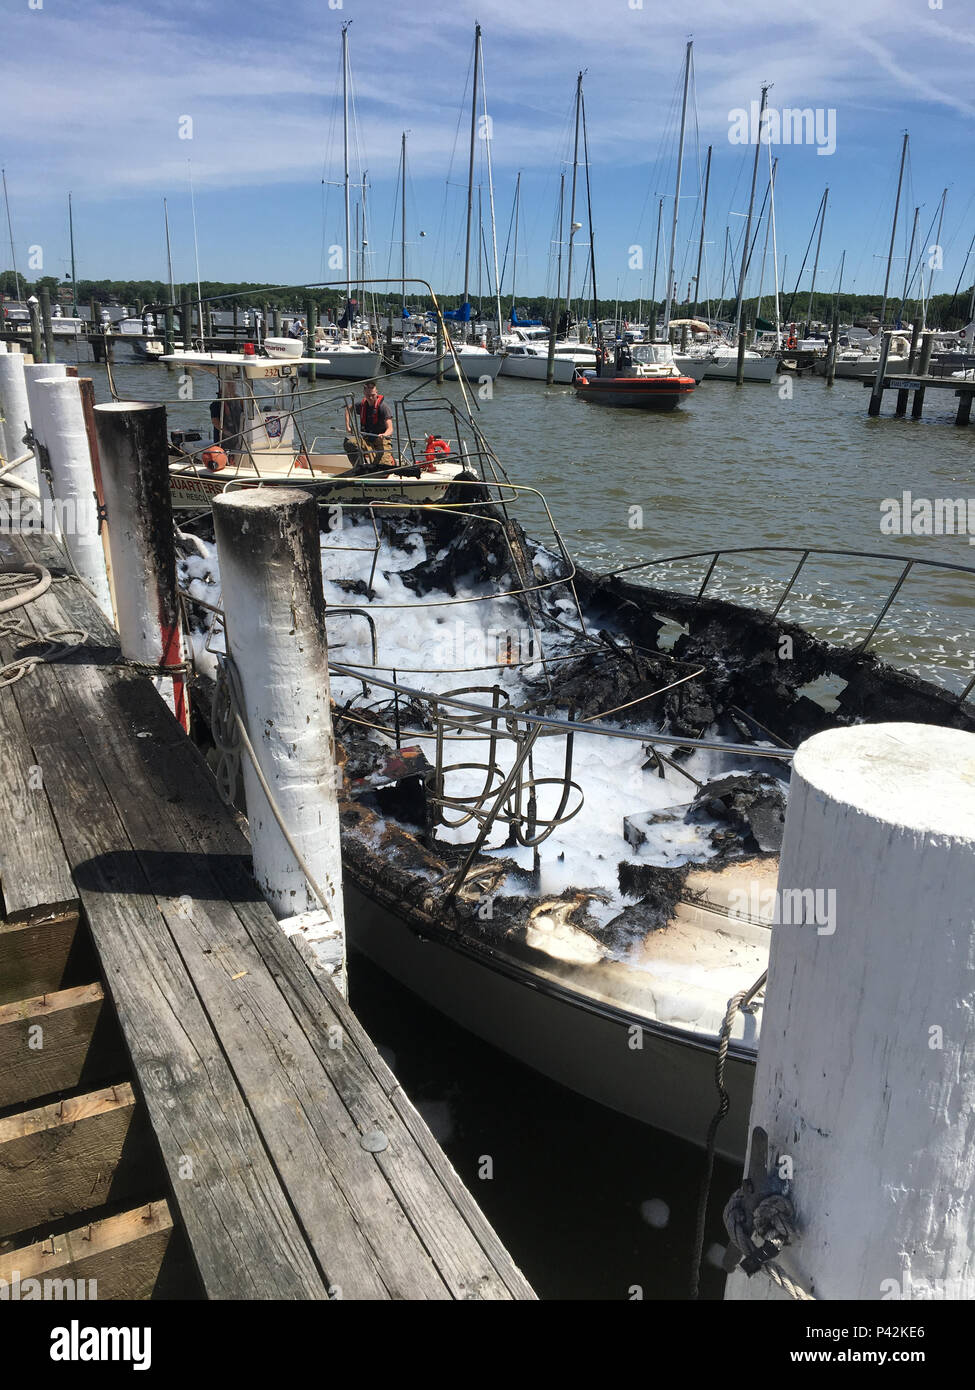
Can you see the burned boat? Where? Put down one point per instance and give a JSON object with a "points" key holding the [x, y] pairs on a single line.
{"points": [[563, 792]]}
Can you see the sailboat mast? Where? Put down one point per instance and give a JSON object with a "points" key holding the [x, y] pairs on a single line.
{"points": [[893, 231], [514, 259], [10, 230], [403, 241], [592, 239], [345, 146], [470, 167], [494, 225], [572, 205], [169, 255], [748, 222], [910, 257], [680, 167], [558, 273], [656, 258], [74, 282], [775, 248], [819, 242], [700, 248]]}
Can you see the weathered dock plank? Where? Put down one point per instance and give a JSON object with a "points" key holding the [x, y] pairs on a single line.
{"points": [[264, 1092], [45, 1042]]}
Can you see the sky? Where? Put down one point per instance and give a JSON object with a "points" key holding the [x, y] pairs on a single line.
{"points": [[100, 97]]}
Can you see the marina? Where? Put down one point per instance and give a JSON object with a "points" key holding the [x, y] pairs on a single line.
{"points": [[487, 718]]}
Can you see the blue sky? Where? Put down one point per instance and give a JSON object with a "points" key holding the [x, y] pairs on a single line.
{"points": [[94, 94]]}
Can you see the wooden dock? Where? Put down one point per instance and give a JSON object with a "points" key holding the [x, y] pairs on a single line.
{"points": [[205, 1116], [906, 385]]}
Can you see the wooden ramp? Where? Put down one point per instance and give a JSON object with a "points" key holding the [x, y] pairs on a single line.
{"points": [[287, 1152]]}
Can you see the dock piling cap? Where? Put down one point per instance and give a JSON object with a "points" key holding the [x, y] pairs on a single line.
{"points": [[917, 777]]}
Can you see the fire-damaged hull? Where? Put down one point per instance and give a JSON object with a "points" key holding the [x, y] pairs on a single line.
{"points": [[603, 956]]}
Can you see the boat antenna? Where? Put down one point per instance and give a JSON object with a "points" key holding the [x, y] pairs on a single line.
{"points": [[10, 230]]}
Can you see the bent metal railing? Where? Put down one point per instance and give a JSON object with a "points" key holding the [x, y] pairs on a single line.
{"points": [[805, 552]]}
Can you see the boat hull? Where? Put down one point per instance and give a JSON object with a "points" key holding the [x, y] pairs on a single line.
{"points": [[474, 368], [761, 369], [536, 369], [345, 366], [663, 1082], [637, 393], [194, 491]]}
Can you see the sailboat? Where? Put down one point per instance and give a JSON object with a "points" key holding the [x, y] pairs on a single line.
{"points": [[340, 353], [420, 357]]}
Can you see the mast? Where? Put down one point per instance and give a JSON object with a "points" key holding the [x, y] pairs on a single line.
{"points": [[768, 231], [910, 257], [345, 146], [656, 257], [592, 240], [74, 291], [573, 225], [680, 165], [10, 230], [751, 209], [775, 248], [893, 231], [169, 255], [470, 167], [403, 242], [700, 248], [558, 273], [514, 261], [819, 242], [494, 226]]}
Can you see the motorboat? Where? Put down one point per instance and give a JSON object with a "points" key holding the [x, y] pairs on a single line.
{"points": [[563, 792], [475, 361], [526, 356], [261, 442], [644, 377]]}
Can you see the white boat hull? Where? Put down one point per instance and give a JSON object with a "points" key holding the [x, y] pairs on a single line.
{"points": [[536, 369], [473, 365], [665, 1082], [349, 366], [859, 370], [726, 369]]}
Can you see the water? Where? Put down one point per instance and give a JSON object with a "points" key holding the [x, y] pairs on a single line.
{"points": [[592, 1205]]}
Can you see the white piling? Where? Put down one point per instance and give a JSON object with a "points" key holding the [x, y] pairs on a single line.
{"points": [[15, 416], [864, 1081], [34, 372], [134, 457], [62, 440], [270, 569]]}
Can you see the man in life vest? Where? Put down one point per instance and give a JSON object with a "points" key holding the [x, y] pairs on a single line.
{"points": [[369, 439], [227, 419]]}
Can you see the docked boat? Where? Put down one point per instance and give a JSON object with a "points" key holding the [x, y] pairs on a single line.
{"points": [[644, 377], [471, 359], [261, 441], [526, 356], [563, 793]]}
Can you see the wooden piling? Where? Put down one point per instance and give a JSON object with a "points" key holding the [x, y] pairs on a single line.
{"points": [[186, 323], [833, 349], [35, 329], [48, 325], [740, 370], [15, 417], [310, 338], [877, 393], [277, 323], [912, 355], [271, 574], [862, 1083], [169, 335], [58, 415], [134, 459], [552, 330], [964, 412], [440, 350]]}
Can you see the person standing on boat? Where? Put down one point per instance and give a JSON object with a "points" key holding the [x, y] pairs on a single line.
{"points": [[227, 417], [371, 445]]}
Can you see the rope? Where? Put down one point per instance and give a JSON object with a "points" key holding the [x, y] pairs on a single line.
{"points": [[773, 1224], [55, 650], [737, 1001]]}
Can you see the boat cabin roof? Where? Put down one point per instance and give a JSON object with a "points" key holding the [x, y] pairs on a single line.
{"points": [[255, 366]]}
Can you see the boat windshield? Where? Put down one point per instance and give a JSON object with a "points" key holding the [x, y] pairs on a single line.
{"points": [[651, 354]]}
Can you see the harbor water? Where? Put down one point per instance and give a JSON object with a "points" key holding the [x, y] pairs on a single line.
{"points": [[590, 1204]]}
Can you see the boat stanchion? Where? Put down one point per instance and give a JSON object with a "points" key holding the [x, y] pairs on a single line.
{"points": [[862, 1084], [271, 575], [61, 436], [131, 440]]}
